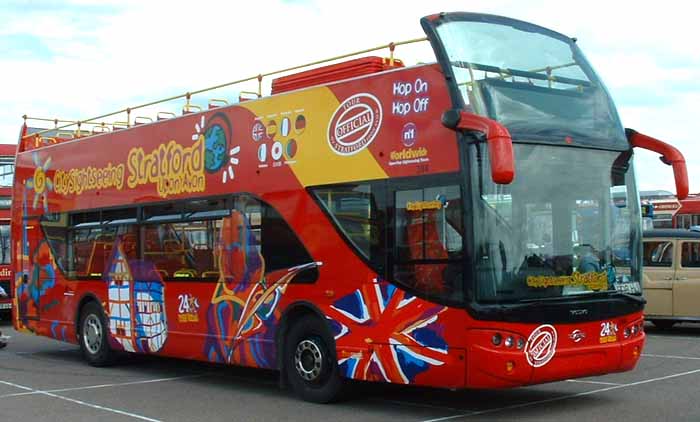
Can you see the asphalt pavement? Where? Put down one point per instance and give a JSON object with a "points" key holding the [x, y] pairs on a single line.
{"points": [[45, 380]]}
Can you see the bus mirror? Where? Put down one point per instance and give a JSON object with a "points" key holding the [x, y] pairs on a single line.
{"points": [[497, 138], [669, 156]]}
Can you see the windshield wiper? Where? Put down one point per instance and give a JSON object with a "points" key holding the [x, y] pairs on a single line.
{"points": [[546, 299], [608, 293], [615, 293]]}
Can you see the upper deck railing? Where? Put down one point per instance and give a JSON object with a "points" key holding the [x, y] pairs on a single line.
{"points": [[64, 130]]}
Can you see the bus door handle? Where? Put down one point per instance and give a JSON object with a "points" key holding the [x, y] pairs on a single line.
{"points": [[668, 278], [682, 278]]}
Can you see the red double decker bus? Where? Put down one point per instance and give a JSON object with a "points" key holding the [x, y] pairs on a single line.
{"points": [[447, 224], [7, 171]]}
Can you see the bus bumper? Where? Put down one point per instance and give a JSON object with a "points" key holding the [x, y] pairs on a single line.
{"points": [[496, 367]]}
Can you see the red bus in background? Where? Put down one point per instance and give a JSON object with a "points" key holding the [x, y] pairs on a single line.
{"points": [[688, 214], [7, 171], [364, 221], [665, 212]]}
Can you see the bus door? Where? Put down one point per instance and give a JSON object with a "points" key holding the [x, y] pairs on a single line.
{"points": [[426, 241]]}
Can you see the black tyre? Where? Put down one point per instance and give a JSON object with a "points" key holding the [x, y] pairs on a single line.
{"points": [[310, 363], [663, 324], [92, 336]]}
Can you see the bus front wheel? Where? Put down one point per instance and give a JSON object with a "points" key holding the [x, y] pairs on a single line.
{"points": [[310, 367], [93, 336]]}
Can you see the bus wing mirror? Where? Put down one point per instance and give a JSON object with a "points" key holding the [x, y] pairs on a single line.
{"points": [[669, 156], [497, 137]]}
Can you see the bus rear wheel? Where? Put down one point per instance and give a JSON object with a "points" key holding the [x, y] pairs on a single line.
{"points": [[310, 367], [92, 332]]}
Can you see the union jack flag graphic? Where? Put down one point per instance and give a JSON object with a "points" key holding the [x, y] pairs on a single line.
{"points": [[404, 327]]}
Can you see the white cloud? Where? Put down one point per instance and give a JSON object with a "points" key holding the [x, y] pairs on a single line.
{"points": [[141, 50]]}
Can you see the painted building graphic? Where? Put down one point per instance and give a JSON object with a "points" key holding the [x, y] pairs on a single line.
{"points": [[136, 308]]}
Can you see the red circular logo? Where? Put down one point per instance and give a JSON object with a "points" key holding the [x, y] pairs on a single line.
{"points": [[541, 345], [355, 124]]}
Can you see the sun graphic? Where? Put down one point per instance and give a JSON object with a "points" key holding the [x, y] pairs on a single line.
{"points": [[233, 161], [215, 144], [40, 182]]}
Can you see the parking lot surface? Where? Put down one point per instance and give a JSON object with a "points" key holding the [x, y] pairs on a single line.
{"points": [[45, 380]]}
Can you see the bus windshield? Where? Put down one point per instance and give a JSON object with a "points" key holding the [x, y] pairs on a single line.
{"points": [[534, 81], [568, 224]]}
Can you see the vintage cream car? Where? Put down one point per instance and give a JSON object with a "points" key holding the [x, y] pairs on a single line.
{"points": [[672, 276]]}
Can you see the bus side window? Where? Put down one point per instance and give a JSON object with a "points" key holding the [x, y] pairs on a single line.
{"points": [[358, 212], [55, 227], [273, 238], [168, 250], [84, 230]]}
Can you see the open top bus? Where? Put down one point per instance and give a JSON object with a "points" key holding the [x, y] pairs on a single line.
{"points": [[470, 222]]}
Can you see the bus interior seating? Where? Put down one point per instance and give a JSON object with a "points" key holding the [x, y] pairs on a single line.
{"points": [[167, 255], [191, 108], [172, 245], [204, 258], [119, 126], [216, 103], [101, 250], [164, 115], [141, 120], [128, 244], [422, 235], [185, 273]]}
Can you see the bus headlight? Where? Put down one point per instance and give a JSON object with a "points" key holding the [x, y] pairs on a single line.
{"points": [[496, 339], [509, 341]]}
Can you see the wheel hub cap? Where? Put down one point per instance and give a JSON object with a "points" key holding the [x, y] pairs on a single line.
{"points": [[92, 334], [308, 360]]}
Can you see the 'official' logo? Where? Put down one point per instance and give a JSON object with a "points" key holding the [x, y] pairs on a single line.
{"points": [[355, 124], [541, 345]]}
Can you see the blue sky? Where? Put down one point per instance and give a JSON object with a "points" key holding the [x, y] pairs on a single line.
{"points": [[77, 59]]}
